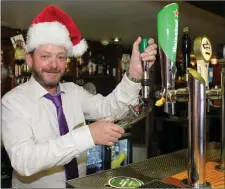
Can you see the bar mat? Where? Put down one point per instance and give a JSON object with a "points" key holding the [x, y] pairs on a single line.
{"points": [[157, 168], [158, 184]]}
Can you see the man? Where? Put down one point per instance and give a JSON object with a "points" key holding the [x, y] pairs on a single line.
{"points": [[40, 118]]}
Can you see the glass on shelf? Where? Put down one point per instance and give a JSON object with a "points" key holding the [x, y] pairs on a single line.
{"points": [[22, 79]]}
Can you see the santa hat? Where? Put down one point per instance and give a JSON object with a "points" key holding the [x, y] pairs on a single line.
{"points": [[53, 26]]}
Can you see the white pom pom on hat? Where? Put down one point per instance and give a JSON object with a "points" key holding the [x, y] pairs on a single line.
{"points": [[53, 26]]}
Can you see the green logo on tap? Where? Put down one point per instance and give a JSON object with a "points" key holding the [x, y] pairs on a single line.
{"points": [[167, 25]]}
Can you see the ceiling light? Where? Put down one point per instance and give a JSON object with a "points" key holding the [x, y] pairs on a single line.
{"points": [[116, 39], [104, 42]]}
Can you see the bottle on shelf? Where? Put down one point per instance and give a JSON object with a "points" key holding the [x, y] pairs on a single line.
{"points": [[213, 62], [91, 64], [106, 67], [100, 65], [67, 70], [108, 70], [80, 62], [180, 72], [186, 51], [210, 75]]}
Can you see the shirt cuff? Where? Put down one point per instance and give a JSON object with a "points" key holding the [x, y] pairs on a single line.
{"points": [[83, 139], [130, 86]]}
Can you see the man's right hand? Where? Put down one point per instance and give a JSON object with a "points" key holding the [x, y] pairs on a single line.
{"points": [[105, 133]]}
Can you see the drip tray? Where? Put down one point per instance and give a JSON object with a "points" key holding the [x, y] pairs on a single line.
{"points": [[151, 171], [158, 184]]}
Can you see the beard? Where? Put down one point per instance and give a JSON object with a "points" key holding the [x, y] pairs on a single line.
{"points": [[47, 81]]}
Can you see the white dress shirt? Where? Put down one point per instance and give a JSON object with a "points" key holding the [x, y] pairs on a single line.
{"points": [[31, 135]]}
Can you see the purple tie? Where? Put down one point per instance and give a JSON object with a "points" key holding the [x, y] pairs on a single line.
{"points": [[71, 168]]}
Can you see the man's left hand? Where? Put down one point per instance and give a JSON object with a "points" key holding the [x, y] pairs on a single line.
{"points": [[135, 68]]}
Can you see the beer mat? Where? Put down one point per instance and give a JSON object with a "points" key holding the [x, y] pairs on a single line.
{"points": [[124, 182]]}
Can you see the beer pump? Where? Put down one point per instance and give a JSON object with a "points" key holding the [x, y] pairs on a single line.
{"points": [[167, 22], [195, 93], [203, 52]]}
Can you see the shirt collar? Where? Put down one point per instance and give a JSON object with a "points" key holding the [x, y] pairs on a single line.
{"points": [[37, 91]]}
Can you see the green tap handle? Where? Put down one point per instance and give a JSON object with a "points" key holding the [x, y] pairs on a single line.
{"points": [[145, 83], [144, 44]]}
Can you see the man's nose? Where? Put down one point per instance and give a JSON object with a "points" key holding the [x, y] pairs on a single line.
{"points": [[53, 62]]}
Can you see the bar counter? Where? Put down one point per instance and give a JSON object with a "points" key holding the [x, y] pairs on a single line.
{"points": [[161, 168]]}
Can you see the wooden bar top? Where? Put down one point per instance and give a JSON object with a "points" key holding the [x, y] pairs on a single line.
{"points": [[214, 177]]}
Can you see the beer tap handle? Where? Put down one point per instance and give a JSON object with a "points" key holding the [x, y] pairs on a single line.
{"points": [[145, 66], [160, 102], [167, 29]]}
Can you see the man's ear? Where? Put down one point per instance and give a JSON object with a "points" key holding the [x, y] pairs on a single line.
{"points": [[29, 60]]}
